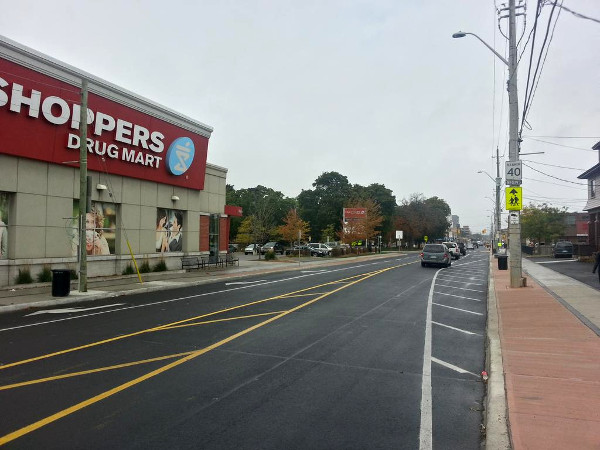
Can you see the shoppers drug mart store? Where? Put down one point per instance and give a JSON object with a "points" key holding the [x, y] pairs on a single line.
{"points": [[151, 185]]}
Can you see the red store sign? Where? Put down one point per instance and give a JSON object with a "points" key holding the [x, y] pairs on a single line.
{"points": [[39, 119]]}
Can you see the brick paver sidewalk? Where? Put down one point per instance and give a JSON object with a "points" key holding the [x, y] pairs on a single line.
{"points": [[552, 370]]}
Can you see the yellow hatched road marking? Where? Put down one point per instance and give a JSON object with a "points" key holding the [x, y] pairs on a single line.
{"points": [[65, 412], [161, 327]]}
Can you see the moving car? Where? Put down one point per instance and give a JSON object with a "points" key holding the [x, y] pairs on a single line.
{"points": [[435, 254], [563, 249], [275, 247], [453, 249]]}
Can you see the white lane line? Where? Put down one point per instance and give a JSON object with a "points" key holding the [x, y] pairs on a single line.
{"points": [[458, 296], [233, 283], [177, 299], [462, 289], [453, 367], [458, 309], [462, 278], [426, 429], [462, 282], [456, 329], [71, 310]]}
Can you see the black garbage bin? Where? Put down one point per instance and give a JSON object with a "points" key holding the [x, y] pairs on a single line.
{"points": [[61, 282], [502, 262]]}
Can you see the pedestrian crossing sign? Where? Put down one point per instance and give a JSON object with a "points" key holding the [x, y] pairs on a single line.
{"points": [[514, 198]]}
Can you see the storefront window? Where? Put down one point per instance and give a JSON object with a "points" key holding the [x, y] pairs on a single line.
{"points": [[169, 230], [213, 236], [3, 225], [100, 228]]}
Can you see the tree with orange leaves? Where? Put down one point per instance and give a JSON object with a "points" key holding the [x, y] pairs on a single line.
{"points": [[293, 225]]}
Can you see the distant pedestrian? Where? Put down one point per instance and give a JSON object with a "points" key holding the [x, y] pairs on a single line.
{"points": [[596, 264]]}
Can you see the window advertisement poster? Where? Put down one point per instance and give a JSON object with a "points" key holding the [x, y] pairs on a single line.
{"points": [[100, 228], [169, 232], [3, 225]]}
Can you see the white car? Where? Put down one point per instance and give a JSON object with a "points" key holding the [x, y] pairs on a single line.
{"points": [[251, 249], [453, 249], [318, 249]]}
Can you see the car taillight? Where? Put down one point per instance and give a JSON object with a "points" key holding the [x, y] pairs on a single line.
{"points": [[422, 255], [445, 255]]}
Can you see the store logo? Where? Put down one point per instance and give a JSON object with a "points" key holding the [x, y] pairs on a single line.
{"points": [[180, 155]]}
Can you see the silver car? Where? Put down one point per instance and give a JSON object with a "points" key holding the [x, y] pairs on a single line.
{"points": [[436, 254]]}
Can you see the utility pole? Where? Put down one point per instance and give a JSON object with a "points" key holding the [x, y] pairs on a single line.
{"points": [[83, 185], [514, 226], [498, 183]]}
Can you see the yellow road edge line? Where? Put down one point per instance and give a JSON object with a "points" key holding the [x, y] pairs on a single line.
{"points": [[65, 412]]}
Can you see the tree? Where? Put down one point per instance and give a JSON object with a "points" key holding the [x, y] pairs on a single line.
{"points": [[387, 202], [359, 229], [293, 226], [419, 216], [267, 207], [322, 206], [542, 223]]}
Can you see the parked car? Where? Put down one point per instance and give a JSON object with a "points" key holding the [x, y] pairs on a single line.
{"points": [[436, 254], [318, 249], [453, 249], [251, 249], [563, 249], [462, 247], [232, 248], [272, 247]]}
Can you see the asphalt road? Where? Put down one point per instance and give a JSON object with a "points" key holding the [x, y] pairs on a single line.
{"points": [[378, 354], [581, 271]]}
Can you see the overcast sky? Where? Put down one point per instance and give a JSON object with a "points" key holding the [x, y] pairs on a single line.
{"points": [[376, 90]]}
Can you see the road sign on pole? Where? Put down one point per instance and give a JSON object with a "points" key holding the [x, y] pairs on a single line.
{"points": [[514, 198], [513, 173]]}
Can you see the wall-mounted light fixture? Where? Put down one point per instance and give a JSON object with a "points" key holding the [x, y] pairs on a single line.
{"points": [[101, 187], [174, 198]]}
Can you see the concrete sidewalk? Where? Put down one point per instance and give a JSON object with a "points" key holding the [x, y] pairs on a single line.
{"points": [[549, 335]]}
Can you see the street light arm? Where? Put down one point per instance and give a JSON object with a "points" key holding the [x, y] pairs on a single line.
{"points": [[491, 178], [464, 33]]}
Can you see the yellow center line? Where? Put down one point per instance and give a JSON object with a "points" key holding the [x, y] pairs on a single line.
{"points": [[65, 412], [159, 328]]}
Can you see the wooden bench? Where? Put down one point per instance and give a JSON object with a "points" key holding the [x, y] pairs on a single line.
{"points": [[191, 262], [230, 260]]}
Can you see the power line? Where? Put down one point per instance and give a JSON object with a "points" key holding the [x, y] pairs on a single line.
{"points": [[564, 137], [556, 184], [561, 145], [535, 80], [545, 56], [552, 165], [552, 176], [576, 14]]}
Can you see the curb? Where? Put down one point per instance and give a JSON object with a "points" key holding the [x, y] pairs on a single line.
{"points": [[496, 423]]}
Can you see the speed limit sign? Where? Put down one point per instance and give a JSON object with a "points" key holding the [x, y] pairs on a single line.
{"points": [[514, 173]]}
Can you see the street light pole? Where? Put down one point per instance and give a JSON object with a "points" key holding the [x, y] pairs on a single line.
{"points": [[514, 227]]}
